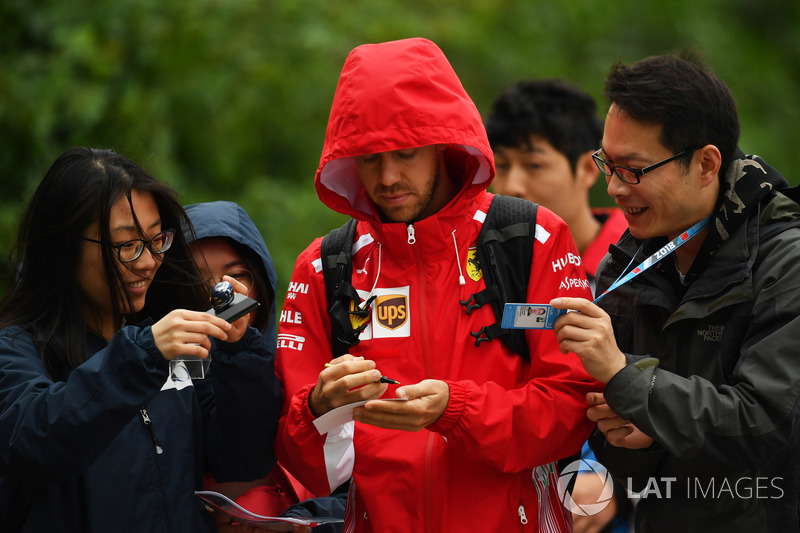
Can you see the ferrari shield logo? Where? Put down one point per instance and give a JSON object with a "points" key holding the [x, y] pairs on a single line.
{"points": [[473, 265]]}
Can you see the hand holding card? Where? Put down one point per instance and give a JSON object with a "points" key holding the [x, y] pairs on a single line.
{"points": [[227, 305]]}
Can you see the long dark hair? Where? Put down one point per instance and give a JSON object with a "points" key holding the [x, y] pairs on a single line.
{"points": [[79, 189]]}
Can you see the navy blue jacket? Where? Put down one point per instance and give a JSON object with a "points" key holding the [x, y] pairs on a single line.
{"points": [[76, 455]]}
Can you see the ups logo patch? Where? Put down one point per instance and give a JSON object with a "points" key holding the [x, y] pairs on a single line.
{"points": [[391, 310]]}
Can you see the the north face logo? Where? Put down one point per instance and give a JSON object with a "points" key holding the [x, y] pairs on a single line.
{"points": [[391, 310], [713, 333]]}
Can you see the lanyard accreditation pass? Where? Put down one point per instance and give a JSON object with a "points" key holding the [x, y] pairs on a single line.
{"points": [[543, 316], [663, 252]]}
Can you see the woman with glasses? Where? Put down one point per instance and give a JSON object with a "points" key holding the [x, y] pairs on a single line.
{"points": [[226, 242], [95, 434]]}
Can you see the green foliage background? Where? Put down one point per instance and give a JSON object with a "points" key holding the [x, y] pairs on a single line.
{"points": [[228, 99]]}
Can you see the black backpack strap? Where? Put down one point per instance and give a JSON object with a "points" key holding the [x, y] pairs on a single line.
{"points": [[343, 300], [505, 254]]}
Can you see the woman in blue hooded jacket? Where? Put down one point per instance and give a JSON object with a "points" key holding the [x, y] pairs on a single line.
{"points": [[227, 241], [96, 434]]}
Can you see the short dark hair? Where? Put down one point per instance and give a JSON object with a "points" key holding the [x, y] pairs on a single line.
{"points": [[692, 104], [565, 115], [80, 188]]}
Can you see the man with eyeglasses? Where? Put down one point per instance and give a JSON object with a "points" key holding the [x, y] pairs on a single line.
{"points": [[697, 323]]}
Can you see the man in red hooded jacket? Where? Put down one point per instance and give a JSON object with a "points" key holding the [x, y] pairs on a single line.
{"points": [[473, 445]]}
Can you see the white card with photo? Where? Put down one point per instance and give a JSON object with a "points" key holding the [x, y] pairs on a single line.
{"points": [[530, 316]]}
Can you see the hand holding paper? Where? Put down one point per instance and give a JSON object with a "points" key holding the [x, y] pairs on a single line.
{"points": [[341, 415], [427, 400], [347, 379]]}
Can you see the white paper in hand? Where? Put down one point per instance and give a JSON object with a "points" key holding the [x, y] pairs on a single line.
{"points": [[342, 415]]}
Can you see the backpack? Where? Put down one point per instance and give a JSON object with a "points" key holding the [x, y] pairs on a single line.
{"points": [[505, 253]]}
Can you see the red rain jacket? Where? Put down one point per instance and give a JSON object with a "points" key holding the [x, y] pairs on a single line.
{"points": [[487, 463]]}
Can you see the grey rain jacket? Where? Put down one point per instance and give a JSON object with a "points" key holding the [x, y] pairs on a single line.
{"points": [[713, 370], [77, 455]]}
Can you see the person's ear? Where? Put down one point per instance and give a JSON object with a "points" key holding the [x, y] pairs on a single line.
{"points": [[710, 160], [586, 171]]}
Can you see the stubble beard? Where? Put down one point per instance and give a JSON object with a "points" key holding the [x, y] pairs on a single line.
{"points": [[411, 213]]}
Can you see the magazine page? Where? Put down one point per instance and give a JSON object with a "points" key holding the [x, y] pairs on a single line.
{"points": [[219, 503]]}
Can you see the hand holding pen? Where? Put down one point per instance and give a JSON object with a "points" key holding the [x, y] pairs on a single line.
{"points": [[383, 379], [344, 380]]}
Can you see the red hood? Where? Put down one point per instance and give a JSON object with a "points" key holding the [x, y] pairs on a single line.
{"points": [[394, 96]]}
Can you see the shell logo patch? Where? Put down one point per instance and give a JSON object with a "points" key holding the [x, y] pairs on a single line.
{"points": [[355, 320], [473, 265]]}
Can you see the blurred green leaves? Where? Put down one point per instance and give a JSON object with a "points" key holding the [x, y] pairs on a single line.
{"points": [[228, 99]]}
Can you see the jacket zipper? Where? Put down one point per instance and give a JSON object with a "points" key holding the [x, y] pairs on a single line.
{"points": [[423, 323], [523, 519], [159, 450], [149, 425]]}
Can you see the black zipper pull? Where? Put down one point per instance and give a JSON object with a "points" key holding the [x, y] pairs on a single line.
{"points": [[149, 424]]}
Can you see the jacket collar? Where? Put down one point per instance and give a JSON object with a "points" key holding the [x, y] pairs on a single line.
{"points": [[747, 181]]}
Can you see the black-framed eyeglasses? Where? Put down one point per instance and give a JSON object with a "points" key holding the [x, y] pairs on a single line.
{"points": [[627, 174], [131, 250]]}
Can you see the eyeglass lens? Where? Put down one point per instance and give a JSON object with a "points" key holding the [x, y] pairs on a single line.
{"points": [[158, 244], [608, 169]]}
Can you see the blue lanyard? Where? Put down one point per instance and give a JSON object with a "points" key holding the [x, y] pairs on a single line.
{"points": [[663, 252]]}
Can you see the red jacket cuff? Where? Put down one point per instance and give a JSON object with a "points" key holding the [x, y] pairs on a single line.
{"points": [[455, 408]]}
